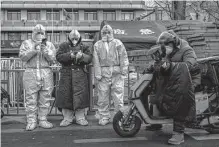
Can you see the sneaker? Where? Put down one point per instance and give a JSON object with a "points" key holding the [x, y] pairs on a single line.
{"points": [[45, 124], [153, 127], [31, 126], [103, 122], [177, 138], [65, 123], [82, 122]]}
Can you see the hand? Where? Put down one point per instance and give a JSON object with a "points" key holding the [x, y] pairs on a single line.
{"points": [[44, 49], [98, 78], [165, 65], [37, 46], [72, 55], [79, 55]]}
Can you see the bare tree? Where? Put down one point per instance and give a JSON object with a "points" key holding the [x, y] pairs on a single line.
{"points": [[179, 9]]}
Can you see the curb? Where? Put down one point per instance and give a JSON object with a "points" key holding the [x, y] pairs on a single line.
{"points": [[10, 120]]}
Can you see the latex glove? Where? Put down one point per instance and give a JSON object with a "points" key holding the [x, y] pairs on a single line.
{"points": [[37, 46], [165, 65], [98, 78], [44, 49], [72, 55], [79, 55]]}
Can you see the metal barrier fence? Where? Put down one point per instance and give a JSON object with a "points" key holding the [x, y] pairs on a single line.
{"points": [[11, 80]]}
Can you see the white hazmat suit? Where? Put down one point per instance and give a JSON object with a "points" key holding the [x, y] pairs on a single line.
{"points": [[111, 66], [38, 77]]}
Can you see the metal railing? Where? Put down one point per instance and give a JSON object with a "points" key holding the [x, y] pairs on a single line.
{"points": [[11, 80]]}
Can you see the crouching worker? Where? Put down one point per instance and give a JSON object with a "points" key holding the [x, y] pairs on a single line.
{"points": [[38, 54], [73, 86], [178, 76]]}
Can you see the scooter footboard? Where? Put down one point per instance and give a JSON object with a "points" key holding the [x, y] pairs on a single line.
{"points": [[146, 117]]}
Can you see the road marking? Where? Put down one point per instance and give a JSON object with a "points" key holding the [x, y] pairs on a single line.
{"points": [[201, 134], [101, 140]]}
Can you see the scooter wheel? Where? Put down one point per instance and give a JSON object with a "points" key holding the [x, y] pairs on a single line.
{"points": [[124, 130], [2, 113]]}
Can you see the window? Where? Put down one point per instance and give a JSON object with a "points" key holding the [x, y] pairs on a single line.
{"points": [[56, 37], [29, 35], [109, 16], [14, 15], [89, 35], [90, 15], [33, 15], [75, 16], [127, 15], [14, 36], [52, 15], [4, 36]]}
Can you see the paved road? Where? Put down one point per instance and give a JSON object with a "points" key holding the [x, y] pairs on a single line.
{"points": [[94, 136]]}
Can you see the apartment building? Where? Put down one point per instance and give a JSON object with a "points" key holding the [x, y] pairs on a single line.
{"points": [[60, 16]]}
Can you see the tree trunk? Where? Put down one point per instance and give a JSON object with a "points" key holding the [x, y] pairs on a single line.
{"points": [[179, 8]]}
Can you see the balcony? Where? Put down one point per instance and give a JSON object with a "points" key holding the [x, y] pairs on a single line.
{"points": [[58, 25]]}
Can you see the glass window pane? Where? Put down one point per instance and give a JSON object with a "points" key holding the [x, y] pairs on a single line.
{"points": [[13, 15], [85, 16], [33, 15], [14, 36], [52, 15], [127, 15], [9, 16], [90, 16]]}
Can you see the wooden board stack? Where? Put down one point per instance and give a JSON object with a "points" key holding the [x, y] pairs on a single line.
{"points": [[205, 44], [139, 59]]}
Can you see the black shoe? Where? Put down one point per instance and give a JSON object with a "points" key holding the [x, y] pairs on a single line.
{"points": [[154, 127]]}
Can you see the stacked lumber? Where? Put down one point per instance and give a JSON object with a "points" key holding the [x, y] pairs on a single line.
{"points": [[139, 59], [205, 46]]}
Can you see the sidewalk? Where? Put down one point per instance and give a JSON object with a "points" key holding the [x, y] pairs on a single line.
{"points": [[16, 124]]}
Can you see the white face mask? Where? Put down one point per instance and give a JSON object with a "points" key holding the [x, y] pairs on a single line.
{"points": [[74, 42], [169, 50], [39, 37], [107, 37]]}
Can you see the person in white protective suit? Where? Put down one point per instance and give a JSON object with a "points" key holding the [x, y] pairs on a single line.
{"points": [[37, 54], [111, 66]]}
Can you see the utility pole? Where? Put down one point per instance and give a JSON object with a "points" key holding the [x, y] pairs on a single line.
{"points": [[156, 13]]}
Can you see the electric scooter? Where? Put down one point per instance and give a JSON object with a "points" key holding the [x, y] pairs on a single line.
{"points": [[127, 122]]}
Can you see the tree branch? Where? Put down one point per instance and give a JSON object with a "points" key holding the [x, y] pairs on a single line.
{"points": [[165, 9]]}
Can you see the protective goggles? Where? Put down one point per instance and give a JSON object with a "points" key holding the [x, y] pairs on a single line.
{"points": [[76, 39], [40, 33], [106, 32]]}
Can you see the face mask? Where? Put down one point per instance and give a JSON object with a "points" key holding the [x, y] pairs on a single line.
{"points": [[107, 37], [39, 37], [104, 38], [74, 41], [169, 50]]}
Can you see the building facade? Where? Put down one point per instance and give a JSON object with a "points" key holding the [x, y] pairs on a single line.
{"points": [[61, 16]]}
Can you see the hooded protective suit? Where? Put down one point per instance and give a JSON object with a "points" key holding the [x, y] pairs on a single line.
{"points": [[38, 54], [110, 66]]}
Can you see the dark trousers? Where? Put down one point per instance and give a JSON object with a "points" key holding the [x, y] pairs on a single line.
{"points": [[178, 126]]}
